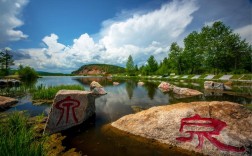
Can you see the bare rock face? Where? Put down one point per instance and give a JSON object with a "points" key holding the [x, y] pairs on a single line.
{"points": [[165, 86], [186, 91], [70, 108], [7, 101], [210, 128], [97, 89]]}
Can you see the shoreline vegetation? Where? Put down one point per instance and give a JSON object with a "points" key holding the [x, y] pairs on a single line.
{"points": [[22, 135]]}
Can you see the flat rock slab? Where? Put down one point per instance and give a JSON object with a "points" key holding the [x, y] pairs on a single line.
{"points": [[185, 76], [210, 128], [196, 77], [70, 108], [174, 77], [225, 77], [208, 77], [7, 101]]}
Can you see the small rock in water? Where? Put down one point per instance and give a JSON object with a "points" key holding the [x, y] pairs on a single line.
{"points": [[140, 83], [165, 86], [116, 83], [97, 89]]}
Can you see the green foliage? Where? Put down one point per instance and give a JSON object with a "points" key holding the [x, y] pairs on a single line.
{"points": [[48, 93], [215, 49], [111, 69], [27, 73], [6, 61], [17, 138], [130, 68], [176, 58]]}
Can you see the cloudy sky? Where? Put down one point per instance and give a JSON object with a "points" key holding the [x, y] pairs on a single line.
{"points": [[60, 36]]}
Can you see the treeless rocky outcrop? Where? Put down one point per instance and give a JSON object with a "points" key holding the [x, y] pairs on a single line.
{"points": [[210, 128]]}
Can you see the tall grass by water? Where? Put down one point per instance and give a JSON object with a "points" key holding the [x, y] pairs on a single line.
{"points": [[18, 138], [48, 93]]}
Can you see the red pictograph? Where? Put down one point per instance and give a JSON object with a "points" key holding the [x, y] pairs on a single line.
{"points": [[67, 104], [216, 126]]}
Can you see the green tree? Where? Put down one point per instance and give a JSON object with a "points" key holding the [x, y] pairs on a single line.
{"points": [[193, 53], [224, 50], [130, 68], [27, 73], [175, 57], [152, 65], [6, 61]]}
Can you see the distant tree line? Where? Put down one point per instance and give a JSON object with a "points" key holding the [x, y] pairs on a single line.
{"points": [[215, 49]]}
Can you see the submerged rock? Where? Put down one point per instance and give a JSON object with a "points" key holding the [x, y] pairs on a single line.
{"points": [[6, 102], [70, 108], [210, 128], [97, 89], [136, 108]]}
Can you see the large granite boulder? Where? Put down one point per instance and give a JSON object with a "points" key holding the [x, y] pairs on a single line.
{"points": [[186, 91], [210, 128], [97, 89], [165, 86], [6, 102], [70, 108]]}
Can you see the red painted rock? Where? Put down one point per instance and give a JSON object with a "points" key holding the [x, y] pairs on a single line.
{"points": [[186, 91], [210, 128], [70, 108], [97, 89], [165, 87], [7, 101]]}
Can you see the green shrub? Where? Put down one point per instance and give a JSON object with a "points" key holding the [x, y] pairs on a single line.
{"points": [[27, 73]]}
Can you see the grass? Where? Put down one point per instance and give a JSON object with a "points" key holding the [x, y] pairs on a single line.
{"points": [[17, 138], [48, 93]]}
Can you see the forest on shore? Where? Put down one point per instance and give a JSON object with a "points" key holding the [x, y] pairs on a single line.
{"points": [[215, 49]]}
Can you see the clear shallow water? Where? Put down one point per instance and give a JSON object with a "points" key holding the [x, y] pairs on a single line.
{"points": [[89, 138]]}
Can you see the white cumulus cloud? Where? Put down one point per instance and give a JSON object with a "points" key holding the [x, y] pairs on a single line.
{"points": [[245, 32], [10, 21], [140, 35]]}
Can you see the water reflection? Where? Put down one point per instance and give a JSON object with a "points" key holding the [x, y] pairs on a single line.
{"points": [[151, 88], [130, 86]]}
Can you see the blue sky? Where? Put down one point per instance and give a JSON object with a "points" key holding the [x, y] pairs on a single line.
{"points": [[60, 36]]}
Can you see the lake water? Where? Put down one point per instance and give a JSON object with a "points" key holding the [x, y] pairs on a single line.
{"points": [[121, 100]]}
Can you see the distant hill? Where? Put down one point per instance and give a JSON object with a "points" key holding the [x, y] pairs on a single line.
{"points": [[98, 69]]}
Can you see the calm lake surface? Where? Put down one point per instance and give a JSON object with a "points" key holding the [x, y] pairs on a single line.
{"points": [[120, 100]]}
